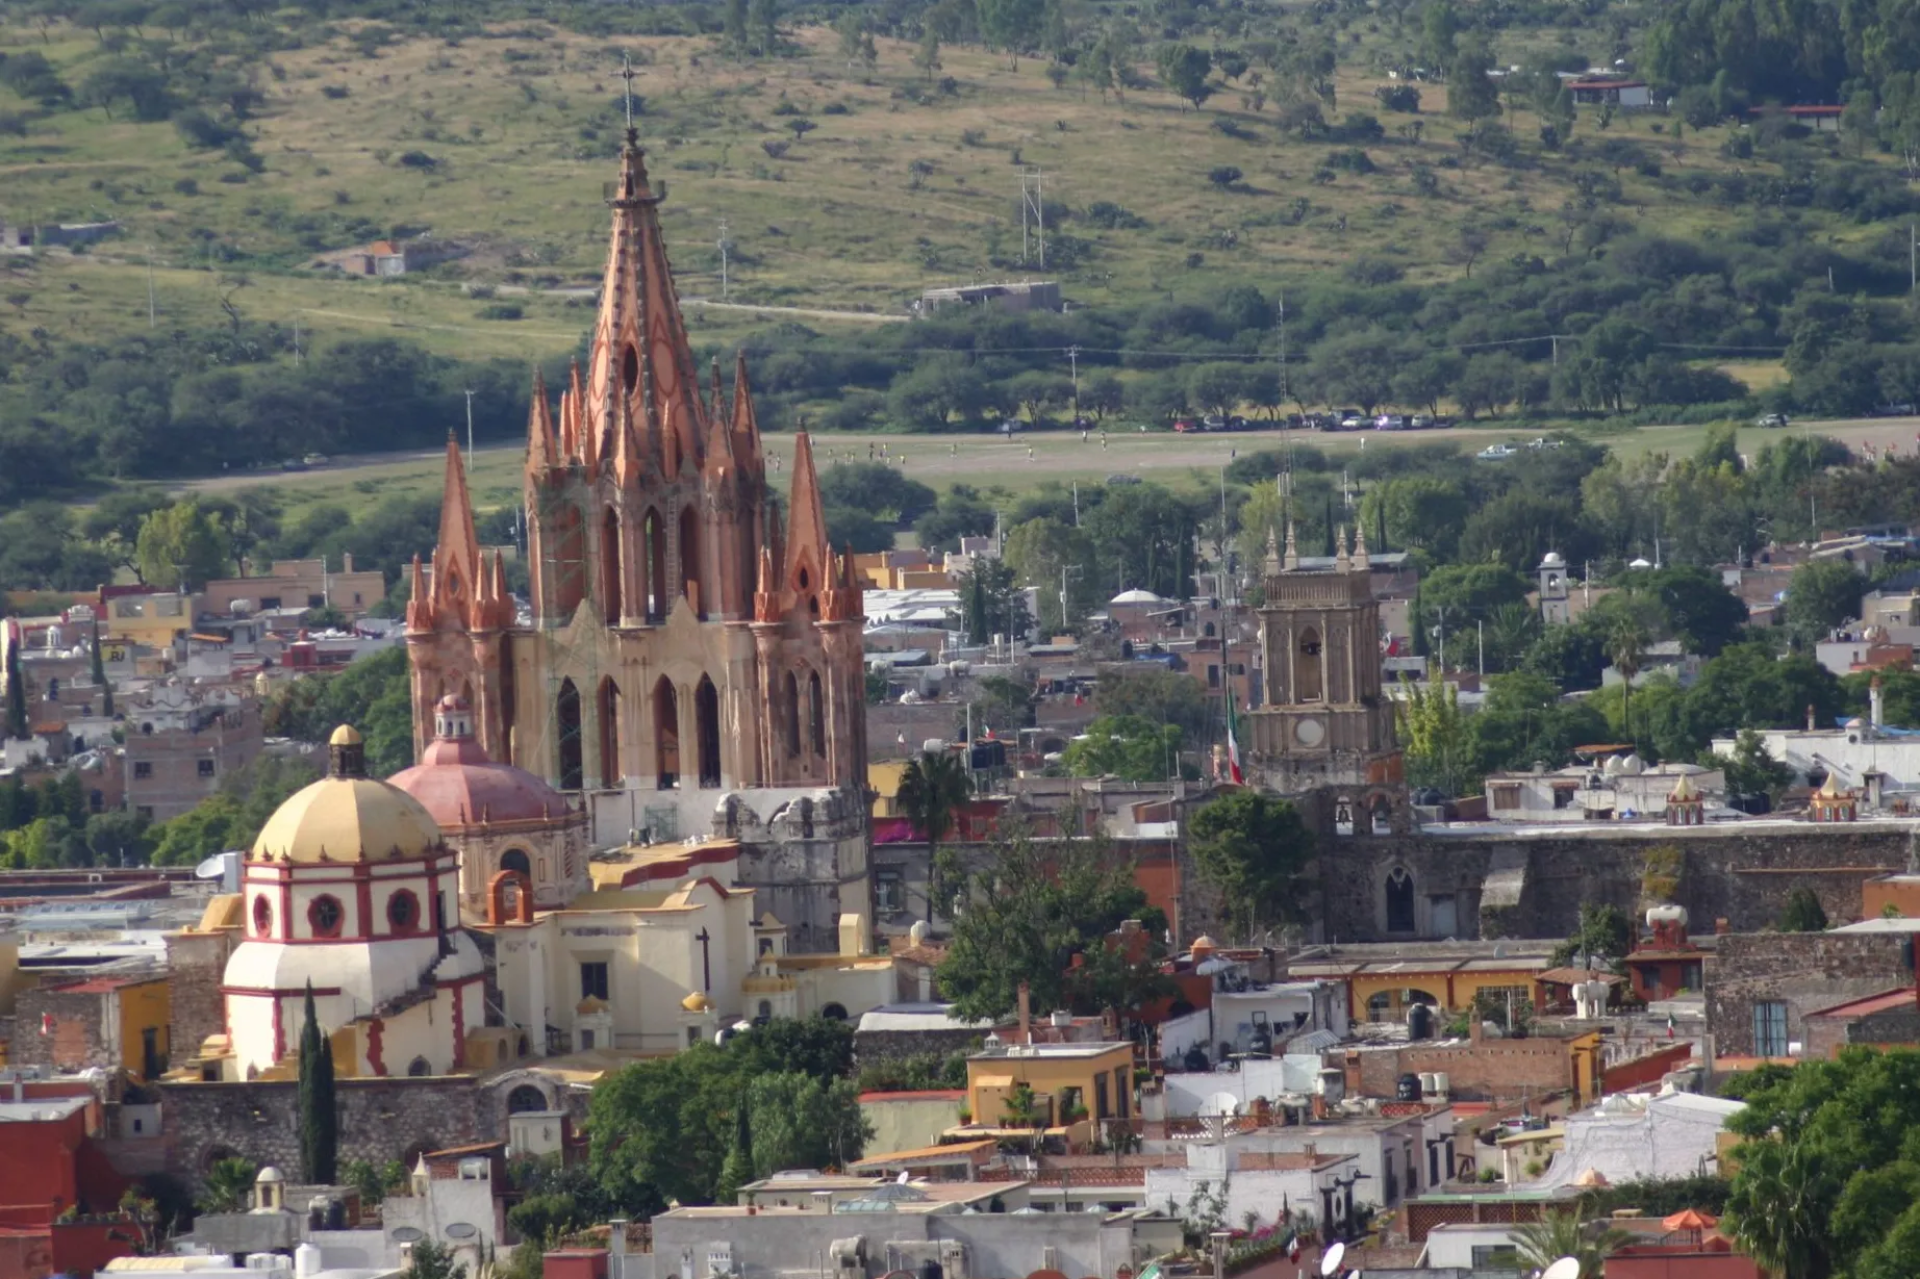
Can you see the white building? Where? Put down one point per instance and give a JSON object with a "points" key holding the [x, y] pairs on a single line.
{"points": [[1641, 1137], [349, 892], [1618, 788]]}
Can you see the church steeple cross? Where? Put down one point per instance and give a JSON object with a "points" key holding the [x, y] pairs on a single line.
{"points": [[626, 73]]}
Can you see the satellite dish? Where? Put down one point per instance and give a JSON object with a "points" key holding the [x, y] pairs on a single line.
{"points": [[1221, 1104], [901, 1180], [407, 1234], [462, 1230], [1565, 1268], [212, 868], [1330, 1259]]}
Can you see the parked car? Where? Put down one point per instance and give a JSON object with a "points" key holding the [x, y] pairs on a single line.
{"points": [[1542, 442], [1496, 452], [1238, 423], [1185, 425], [1894, 410], [1121, 477], [1391, 422], [1011, 425], [1354, 422], [1421, 422], [316, 459], [1772, 419], [1213, 422]]}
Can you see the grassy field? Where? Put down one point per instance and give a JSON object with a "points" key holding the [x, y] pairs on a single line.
{"points": [[884, 197], [1002, 468]]}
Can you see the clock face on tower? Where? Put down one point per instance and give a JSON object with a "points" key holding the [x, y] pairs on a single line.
{"points": [[1309, 732]]}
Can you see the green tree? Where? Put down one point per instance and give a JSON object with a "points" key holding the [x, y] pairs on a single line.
{"points": [[1626, 648], [1434, 733], [993, 602], [1028, 912], [799, 1121], [1420, 512], [319, 1114], [734, 26], [1472, 94], [926, 55], [181, 548], [1045, 552], [1803, 913], [17, 725], [1751, 770], [932, 789], [432, 1261], [1015, 26], [228, 1186], [738, 1170], [1564, 1234], [1822, 595], [1159, 696], [763, 19], [1253, 849], [1604, 936], [1127, 747], [99, 671], [1184, 69]]}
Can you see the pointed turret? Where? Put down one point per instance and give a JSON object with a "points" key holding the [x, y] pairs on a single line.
{"points": [[807, 522], [540, 443], [1291, 560], [746, 427], [419, 606], [456, 557], [1272, 565], [1341, 561], [720, 460], [1362, 562], [572, 408], [628, 460], [766, 591]]}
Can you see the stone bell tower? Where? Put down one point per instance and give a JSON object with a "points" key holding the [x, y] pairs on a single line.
{"points": [[1325, 725]]}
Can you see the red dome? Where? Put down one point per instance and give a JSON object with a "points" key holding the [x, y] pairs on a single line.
{"points": [[460, 786]]}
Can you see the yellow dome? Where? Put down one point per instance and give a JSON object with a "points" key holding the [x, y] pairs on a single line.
{"points": [[696, 1003], [345, 735], [349, 819]]}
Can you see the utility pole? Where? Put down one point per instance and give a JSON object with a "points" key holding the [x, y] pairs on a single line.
{"points": [[1065, 570], [1073, 365], [725, 245], [469, 433], [1283, 348], [296, 339], [1033, 217], [150, 307]]}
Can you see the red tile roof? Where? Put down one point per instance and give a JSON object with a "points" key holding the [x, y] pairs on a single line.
{"points": [[1869, 1004]]}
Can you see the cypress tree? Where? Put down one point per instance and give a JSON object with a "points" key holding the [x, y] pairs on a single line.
{"points": [[737, 1171], [16, 695], [1380, 525], [100, 673], [1331, 548], [319, 1119]]}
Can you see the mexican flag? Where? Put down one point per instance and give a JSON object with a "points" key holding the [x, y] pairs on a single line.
{"points": [[1234, 774]]}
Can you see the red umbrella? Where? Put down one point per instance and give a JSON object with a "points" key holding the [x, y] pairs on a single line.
{"points": [[1691, 1220]]}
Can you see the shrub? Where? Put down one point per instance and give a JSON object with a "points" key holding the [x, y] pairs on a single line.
{"points": [[417, 160], [334, 91], [187, 186], [1399, 97], [502, 311]]}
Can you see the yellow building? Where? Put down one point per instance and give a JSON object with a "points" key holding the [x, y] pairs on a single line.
{"points": [[1064, 1079], [152, 620], [109, 1022], [1381, 990]]}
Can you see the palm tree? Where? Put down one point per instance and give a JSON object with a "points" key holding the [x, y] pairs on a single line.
{"points": [[1565, 1234], [932, 789], [1626, 646], [1777, 1208]]}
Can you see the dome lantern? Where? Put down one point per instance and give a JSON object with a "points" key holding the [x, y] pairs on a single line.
{"points": [[346, 753]]}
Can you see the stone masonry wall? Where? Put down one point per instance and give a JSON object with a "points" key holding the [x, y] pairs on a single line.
{"points": [[1741, 874], [1805, 971], [78, 1042], [1495, 1070], [380, 1120], [196, 963]]}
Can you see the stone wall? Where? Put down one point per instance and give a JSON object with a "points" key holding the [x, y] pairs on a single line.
{"points": [[79, 1040], [1494, 1070], [1805, 971], [1534, 885], [196, 963], [1827, 1035], [380, 1120]]}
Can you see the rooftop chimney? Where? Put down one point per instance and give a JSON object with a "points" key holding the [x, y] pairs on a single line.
{"points": [[1026, 1015], [1874, 701]]}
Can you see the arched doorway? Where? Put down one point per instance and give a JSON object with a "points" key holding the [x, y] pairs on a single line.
{"points": [[1400, 918], [610, 566], [610, 771], [655, 545], [1306, 667], [706, 724], [816, 715], [791, 708], [525, 1098], [690, 560], [666, 734], [419, 1066], [566, 712], [834, 1012]]}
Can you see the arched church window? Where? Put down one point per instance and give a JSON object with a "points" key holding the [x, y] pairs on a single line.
{"points": [[1307, 683], [610, 602], [1400, 900], [791, 728], [516, 860], [816, 714], [326, 917], [567, 712]]}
